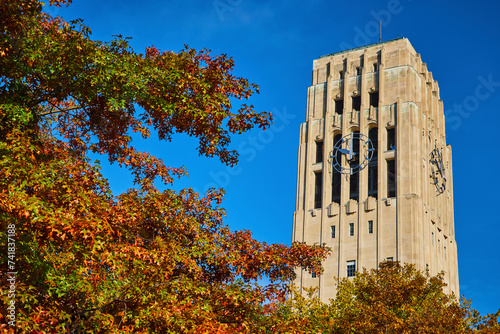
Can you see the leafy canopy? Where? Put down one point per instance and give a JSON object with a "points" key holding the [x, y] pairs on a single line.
{"points": [[145, 260], [394, 298]]}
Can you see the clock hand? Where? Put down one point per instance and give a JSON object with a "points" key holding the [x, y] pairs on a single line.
{"points": [[343, 151], [351, 146], [440, 165]]}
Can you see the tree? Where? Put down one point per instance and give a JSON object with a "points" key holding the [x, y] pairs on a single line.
{"points": [[394, 298], [83, 260], [398, 299]]}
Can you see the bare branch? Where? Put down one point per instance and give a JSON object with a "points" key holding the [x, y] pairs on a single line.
{"points": [[57, 110]]}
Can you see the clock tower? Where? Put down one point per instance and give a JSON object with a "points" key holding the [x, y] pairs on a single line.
{"points": [[374, 177]]}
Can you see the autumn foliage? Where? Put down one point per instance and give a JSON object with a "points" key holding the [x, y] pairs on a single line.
{"points": [[145, 260], [394, 298]]}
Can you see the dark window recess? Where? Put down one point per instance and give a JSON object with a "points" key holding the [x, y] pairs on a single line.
{"points": [[336, 176], [374, 99], [373, 180], [332, 231], [391, 178], [351, 229], [390, 259], [313, 274], [318, 189], [336, 181], [358, 70], [373, 165], [375, 67], [354, 177], [341, 75], [327, 70], [339, 106], [319, 151], [356, 103], [391, 139], [370, 226], [351, 268], [354, 186]]}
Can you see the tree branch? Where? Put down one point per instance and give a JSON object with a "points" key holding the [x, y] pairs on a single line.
{"points": [[56, 110]]}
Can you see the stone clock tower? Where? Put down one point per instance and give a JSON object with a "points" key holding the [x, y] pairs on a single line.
{"points": [[374, 177]]}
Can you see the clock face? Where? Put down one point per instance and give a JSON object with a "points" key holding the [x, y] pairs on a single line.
{"points": [[438, 175], [358, 150]]}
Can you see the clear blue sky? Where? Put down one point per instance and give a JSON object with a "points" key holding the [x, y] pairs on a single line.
{"points": [[273, 43]]}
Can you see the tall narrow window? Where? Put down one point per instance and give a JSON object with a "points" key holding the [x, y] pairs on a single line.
{"points": [[319, 151], [351, 229], [336, 176], [374, 99], [318, 189], [391, 178], [358, 70], [356, 103], [332, 231], [354, 177], [341, 75], [354, 186], [375, 67], [370, 226], [314, 275], [391, 139], [351, 268], [339, 106], [373, 165]]}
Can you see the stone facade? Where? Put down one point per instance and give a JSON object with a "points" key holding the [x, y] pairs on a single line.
{"points": [[400, 206]]}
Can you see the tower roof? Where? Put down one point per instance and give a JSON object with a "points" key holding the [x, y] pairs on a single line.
{"points": [[360, 47]]}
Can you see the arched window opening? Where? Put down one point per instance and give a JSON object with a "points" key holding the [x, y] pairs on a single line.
{"points": [[356, 103], [318, 189], [354, 177], [391, 178], [336, 176], [339, 106], [391, 139], [373, 165], [319, 151]]}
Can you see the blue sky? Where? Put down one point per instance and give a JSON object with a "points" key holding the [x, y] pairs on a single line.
{"points": [[274, 43]]}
